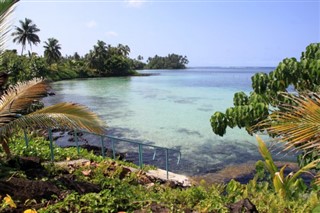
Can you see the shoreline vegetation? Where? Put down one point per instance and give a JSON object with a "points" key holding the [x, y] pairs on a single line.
{"points": [[102, 61], [30, 183]]}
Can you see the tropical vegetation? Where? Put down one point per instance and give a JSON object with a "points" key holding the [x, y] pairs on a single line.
{"points": [[112, 187], [101, 61], [269, 94], [172, 61], [17, 109], [121, 190], [267, 88], [52, 50], [26, 33]]}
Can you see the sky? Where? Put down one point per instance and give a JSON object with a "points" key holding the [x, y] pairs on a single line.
{"points": [[208, 32]]}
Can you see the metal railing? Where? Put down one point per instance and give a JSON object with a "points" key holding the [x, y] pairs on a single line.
{"points": [[115, 140]]}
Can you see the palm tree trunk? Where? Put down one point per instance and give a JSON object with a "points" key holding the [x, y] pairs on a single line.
{"points": [[5, 148]]}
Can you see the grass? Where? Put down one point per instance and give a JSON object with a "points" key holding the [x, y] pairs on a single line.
{"points": [[121, 190]]}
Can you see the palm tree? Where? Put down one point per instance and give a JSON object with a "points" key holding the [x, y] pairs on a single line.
{"points": [[297, 124], [18, 98], [99, 55], [140, 58], [100, 50], [26, 34], [52, 50], [123, 49]]}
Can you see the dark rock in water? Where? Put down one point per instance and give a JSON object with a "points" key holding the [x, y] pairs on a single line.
{"points": [[51, 93], [245, 172], [244, 205], [78, 133]]}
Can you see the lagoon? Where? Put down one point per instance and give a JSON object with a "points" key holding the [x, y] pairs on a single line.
{"points": [[171, 108]]}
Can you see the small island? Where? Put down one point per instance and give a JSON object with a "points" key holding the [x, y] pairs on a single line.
{"points": [[172, 61]]}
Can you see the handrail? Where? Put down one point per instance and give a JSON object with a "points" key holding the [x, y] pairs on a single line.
{"points": [[140, 146], [113, 141]]}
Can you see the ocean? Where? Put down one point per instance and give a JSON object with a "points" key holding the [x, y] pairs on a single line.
{"points": [[170, 108]]}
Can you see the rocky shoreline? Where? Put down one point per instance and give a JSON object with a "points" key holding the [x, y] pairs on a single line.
{"points": [[242, 172]]}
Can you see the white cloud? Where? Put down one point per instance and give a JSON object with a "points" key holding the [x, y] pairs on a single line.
{"points": [[111, 34], [135, 3], [91, 24]]}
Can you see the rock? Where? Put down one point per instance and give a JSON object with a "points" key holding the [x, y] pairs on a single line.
{"points": [[78, 186], [175, 180], [23, 189], [244, 205], [124, 172], [154, 207], [30, 165]]}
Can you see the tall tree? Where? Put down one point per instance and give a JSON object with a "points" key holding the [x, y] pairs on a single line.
{"points": [[17, 100], [52, 50], [140, 58], [26, 33], [123, 49], [96, 57]]}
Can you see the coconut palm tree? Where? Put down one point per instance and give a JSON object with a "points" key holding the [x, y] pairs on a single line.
{"points": [[26, 33], [52, 50], [100, 50], [123, 49], [15, 101], [98, 56]]}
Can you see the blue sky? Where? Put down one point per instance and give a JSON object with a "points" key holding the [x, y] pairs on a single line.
{"points": [[209, 33]]}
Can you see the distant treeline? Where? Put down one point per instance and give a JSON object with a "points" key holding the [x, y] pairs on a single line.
{"points": [[103, 60], [172, 61]]}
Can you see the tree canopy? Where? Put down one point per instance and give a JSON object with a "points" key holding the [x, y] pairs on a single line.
{"points": [[107, 60], [290, 75], [101, 61], [52, 50], [172, 61]]}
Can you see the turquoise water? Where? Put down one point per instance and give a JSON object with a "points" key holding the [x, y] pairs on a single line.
{"points": [[170, 109]]}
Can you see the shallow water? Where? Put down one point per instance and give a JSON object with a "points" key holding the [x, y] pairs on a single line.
{"points": [[170, 109]]}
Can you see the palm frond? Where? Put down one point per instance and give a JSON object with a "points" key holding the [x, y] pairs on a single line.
{"points": [[18, 98], [61, 115], [6, 9], [297, 125]]}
